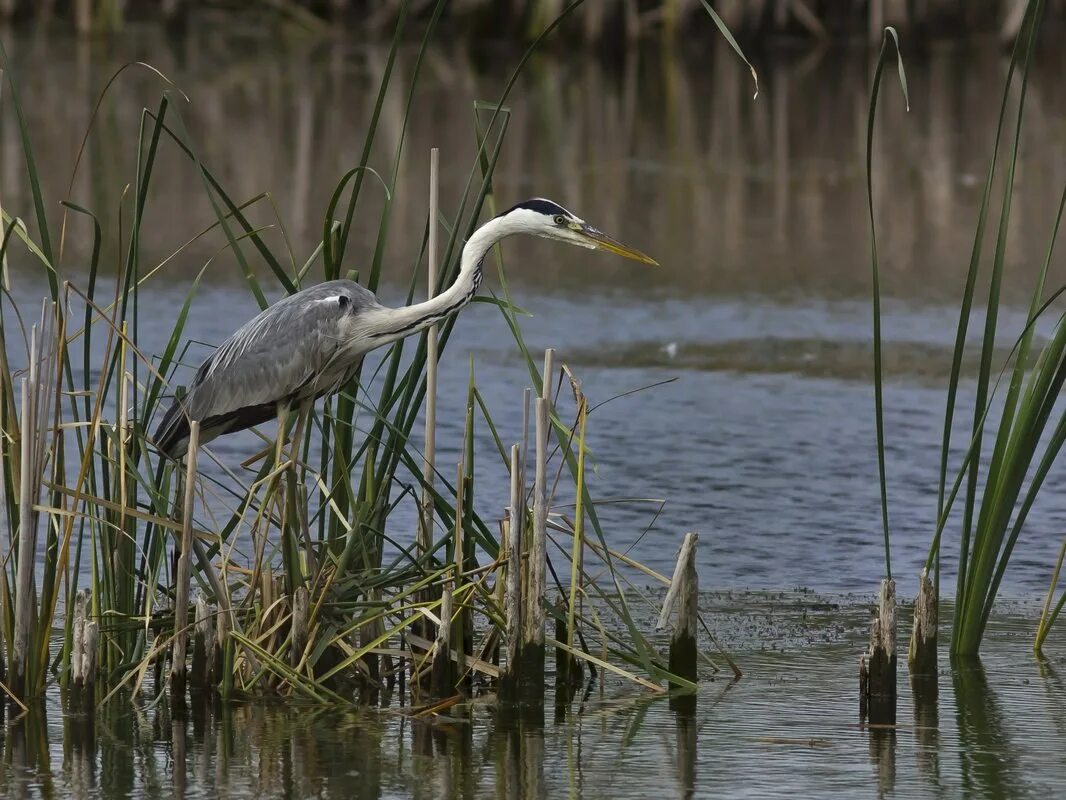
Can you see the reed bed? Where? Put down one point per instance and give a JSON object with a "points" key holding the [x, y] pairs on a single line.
{"points": [[603, 22], [1027, 428], [283, 577]]}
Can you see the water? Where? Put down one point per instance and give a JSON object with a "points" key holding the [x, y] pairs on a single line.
{"points": [[763, 440], [788, 728]]}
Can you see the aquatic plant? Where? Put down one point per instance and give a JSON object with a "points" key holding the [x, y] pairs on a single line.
{"points": [[313, 608], [995, 507]]}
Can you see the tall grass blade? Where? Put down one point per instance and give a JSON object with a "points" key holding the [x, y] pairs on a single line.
{"points": [[876, 278]]}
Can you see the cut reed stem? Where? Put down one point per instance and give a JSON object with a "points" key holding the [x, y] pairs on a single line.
{"points": [[27, 538], [513, 596], [425, 531], [184, 572]]}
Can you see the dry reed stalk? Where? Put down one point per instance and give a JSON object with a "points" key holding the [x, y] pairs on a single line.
{"points": [[532, 643], [494, 638], [301, 614], [219, 587], [442, 676], [203, 648], [464, 636], [578, 553], [425, 529], [184, 572], [523, 458], [223, 676], [298, 496], [440, 680], [123, 411], [512, 608], [27, 537]]}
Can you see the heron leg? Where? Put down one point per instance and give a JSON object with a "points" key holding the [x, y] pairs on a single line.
{"points": [[283, 421], [302, 417], [302, 413], [271, 497]]}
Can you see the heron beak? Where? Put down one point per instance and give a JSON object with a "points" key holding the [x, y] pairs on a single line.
{"points": [[601, 241]]}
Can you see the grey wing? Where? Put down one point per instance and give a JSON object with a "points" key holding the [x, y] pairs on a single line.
{"points": [[287, 350], [278, 352]]}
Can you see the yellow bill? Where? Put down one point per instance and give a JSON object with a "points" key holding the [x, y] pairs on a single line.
{"points": [[601, 241]]}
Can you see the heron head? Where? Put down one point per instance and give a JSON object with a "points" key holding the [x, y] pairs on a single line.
{"points": [[550, 220]]}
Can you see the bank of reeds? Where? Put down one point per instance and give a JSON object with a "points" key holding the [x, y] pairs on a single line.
{"points": [[1024, 424], [627, 20], [285, 578]]}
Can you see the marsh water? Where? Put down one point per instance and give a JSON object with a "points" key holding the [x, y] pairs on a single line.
{"points": [[788, 728], [755, 334]]}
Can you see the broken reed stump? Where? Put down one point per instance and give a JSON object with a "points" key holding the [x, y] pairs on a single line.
{"points": [[301, 616], [224, 653], [877, 666], [921, 655], [441, 680], [568, 670], [184, 571], [85, 638], [684, 593], [203, 645]]}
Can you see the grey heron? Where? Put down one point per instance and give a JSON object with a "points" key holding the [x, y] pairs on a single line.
{"points": [[310, 343]]}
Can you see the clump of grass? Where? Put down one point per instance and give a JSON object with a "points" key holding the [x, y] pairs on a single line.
{"points": [[301, 526], [998, 496]]}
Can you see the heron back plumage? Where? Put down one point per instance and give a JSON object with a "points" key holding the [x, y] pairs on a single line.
{"points": [[297, 348]]}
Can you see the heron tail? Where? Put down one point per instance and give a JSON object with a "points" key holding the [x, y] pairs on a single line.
{"points": [[172, 435]]}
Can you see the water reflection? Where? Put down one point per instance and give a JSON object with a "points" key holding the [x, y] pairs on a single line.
{"points": [[733, 196], [883, 758], [754, 207], [925, 695], [787, 726], [687, 746], [26, 752], [989, 763]]}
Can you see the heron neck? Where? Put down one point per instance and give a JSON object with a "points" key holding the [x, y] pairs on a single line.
{"points": [[401, 322]]}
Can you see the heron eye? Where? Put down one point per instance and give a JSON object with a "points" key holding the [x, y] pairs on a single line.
{"points": [[559, 219]]}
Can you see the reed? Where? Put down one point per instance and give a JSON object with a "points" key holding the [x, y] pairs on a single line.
{"points": [[1001, 487], [291, 561], [522, 18]]}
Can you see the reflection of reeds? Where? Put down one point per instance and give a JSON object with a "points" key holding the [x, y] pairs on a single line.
{"points": [[988, 760], [734, 197]]}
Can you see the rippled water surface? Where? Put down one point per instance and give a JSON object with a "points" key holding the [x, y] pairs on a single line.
{"points": [[764, 440], [788, 728]]}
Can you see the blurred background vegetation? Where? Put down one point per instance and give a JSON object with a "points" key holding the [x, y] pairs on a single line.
{"points": [[603, 21]]}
